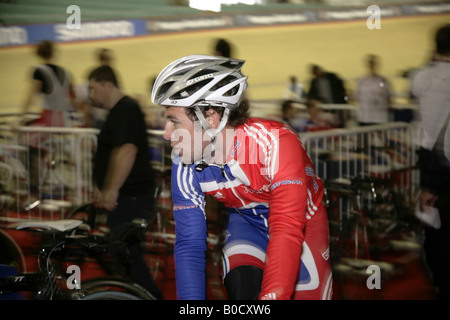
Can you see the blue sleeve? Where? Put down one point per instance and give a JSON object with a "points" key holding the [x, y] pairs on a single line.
{"points": [[191, 234]]}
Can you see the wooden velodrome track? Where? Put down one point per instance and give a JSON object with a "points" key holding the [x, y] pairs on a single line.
{"points": [[272, 54]]}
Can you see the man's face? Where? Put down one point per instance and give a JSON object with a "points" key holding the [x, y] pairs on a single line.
{"points": [[98, 93], [186, 136], [317, 71]]}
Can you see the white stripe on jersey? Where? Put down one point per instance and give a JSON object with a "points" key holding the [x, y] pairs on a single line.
{"points": [[308, 261], [328, 291], [273, 153], [250, 250], [262, 141], [310, 206], [215, 186], [185, 178], [270, 149], [237, 172], [180, 173]]}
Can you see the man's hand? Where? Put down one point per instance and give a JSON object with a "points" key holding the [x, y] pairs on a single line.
{"points": [[120, 164], [110, 199], [426, 199], [97, 198], [106, 199]]}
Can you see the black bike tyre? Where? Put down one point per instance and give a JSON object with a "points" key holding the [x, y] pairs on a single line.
{"points": [[110, 295], [101, 290]]}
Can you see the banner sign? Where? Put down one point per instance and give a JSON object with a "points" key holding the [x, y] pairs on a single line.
{"points": [[32, 34]]}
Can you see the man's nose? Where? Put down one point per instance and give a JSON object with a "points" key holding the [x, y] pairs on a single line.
{"points": [[168, 130]]}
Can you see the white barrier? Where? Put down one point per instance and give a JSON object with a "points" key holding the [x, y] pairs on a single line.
{"points": [[386, 151], [48, 171], [50, 166], [53, 166]]}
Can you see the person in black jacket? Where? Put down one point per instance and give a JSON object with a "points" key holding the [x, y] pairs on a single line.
{"points": [[123, 175], [327, 87]]}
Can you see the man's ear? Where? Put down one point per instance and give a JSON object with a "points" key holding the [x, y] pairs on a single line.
{"points": [[212, 118]]}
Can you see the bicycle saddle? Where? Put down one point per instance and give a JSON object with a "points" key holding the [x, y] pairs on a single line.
{"points": [[60, 225]]}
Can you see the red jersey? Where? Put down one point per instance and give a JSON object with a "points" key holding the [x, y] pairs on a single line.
{"points": [[269, 181]]}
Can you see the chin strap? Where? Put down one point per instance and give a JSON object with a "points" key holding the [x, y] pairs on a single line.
{"points": [[210, 132]]}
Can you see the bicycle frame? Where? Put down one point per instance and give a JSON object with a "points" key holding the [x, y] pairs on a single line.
{"points": [[51, 282]]}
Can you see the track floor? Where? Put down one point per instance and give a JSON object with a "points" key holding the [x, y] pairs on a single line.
{"points": [[272, 54]]}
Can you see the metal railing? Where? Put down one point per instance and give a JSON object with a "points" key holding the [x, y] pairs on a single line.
{"points": [[52, 167], [387, 151]]}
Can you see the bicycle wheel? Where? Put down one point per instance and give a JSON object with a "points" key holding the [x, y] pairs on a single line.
{"points": [[113, 289], [355, 238], [11, 254]]}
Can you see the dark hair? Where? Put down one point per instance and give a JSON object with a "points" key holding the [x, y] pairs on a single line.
{"points": [[236, 117], [45, 49], [224, 48], [372, 58], [316, 68], [104, 73], [286, 105], [443, 40], [103, 55]]}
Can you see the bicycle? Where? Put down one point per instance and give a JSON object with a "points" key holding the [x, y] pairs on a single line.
{"points": [[369, 225], [347, 201], [60, 244]]}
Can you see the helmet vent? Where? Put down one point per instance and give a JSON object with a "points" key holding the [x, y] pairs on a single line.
{"points": [[192, 89], [233, 64], [224, 82], [163, 89]]}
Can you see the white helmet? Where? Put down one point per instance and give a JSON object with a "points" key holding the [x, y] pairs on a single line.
{"points": [[200, 79]]}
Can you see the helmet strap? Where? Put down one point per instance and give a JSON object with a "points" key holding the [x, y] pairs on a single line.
{"points": [[210, 132]]}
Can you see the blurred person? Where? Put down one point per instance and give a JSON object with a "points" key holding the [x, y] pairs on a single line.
{"points": [[154, 116], [53, 83], [123, 177], [373, 95], [223, 48], [320, 119], [94, 117], [290, 116], [277, 235], [326, 87], [294, 90], [431, 87], [105, 57]]}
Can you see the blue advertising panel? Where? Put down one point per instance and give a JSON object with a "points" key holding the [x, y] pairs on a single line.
{"points": [[32, 34]]}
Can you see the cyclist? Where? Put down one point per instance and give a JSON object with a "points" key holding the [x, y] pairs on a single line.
{"points": [[277, 235]]}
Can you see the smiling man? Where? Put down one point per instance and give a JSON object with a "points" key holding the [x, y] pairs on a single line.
{"points": [[277, 235]]}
